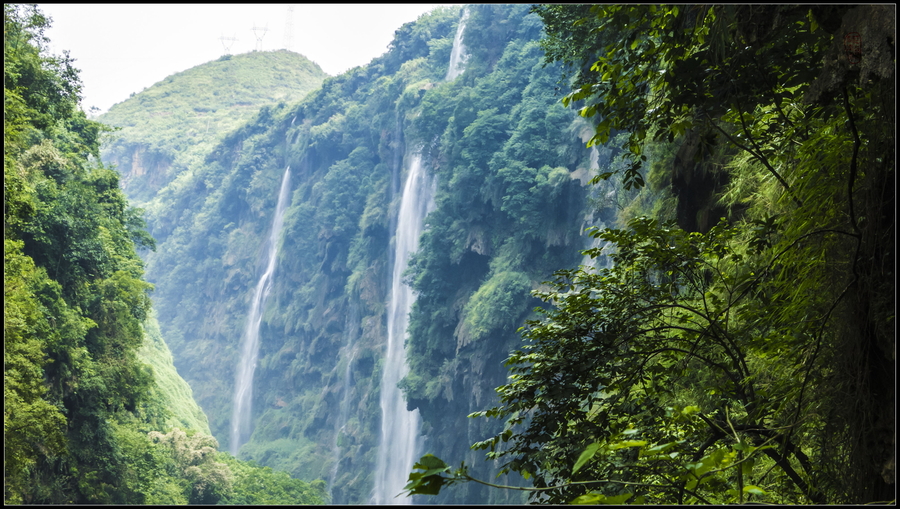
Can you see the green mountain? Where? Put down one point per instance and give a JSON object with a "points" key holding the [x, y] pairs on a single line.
{"points": [[94, 411], [172, 125], [509, 162], [341, 279]]}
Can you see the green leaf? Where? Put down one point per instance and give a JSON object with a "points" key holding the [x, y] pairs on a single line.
{"points": [[618, 499], [430, 481], [753, 490], [431, 462], [628, 443], [586, 456], [747, 467], [599, 498], [589, 498]]}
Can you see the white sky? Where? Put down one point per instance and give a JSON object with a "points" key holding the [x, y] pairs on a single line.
{"points": [[122, 49]]}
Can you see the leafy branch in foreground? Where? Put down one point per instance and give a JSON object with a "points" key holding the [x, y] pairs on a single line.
{"points": [[688, 372], [777, 329], [740, 458]]}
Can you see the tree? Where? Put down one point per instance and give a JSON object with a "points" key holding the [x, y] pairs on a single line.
{"points": [[74, 296], [32, 426], [195, 459], [714, 367]]}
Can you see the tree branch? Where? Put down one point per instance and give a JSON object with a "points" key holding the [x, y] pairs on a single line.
{"points": [[758, 155], [853, 160], [786, 467]]}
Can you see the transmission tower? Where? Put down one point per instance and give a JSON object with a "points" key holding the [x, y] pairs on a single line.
{"points": [[230, 42], [289, 28], [259, 37]]}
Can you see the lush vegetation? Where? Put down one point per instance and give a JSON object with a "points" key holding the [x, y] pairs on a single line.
{"points": [[747, 358], [88, 405], [175, 394], [510, 162], [170, 127], [728, 337]]}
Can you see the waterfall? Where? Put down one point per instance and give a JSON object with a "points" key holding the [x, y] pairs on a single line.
{"points": [[243, 390], [342, 422], [397, 452], [347, 392], [400, 427], [603, 195], [458, 54], [590, 242]]}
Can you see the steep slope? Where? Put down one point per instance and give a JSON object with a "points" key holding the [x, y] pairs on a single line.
{"points": [[94, 411], [508, 161], [175, 394], [173, 124]]}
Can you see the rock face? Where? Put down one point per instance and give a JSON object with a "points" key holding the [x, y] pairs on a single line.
{"points": [[863, 49], [509, 207], [141, 167]]}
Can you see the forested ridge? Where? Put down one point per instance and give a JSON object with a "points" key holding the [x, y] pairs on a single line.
{"points": [[657, 264], [93, 409], [174, 124]]}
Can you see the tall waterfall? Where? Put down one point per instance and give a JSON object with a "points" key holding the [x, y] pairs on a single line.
{"points": [[243, 390], [458, 54], [400, 427]]}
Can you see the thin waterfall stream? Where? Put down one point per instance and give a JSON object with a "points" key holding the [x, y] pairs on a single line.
{"points": [[604, 195], [399, 427], [342, 420], [243, 390], [458, 54]]}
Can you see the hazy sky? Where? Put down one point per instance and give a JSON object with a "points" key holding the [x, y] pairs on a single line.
{"points": [[122, 49]]}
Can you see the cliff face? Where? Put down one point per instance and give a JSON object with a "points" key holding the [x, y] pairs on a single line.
{"points": [[140, 166], [508, 162], [507, 207]]}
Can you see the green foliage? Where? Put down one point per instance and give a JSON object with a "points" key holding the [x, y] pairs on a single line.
{"points": [[75, 297], [175, 394], [492, 306], [80, 404], [633, 351], [256, 485], [714, 367], [31, 423], [194, 458], [664, 69]]}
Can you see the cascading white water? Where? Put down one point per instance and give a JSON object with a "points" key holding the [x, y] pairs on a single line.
{"points": [[591, 241], [342, 422], [458, 54], [400, 427], [243, 390]]}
